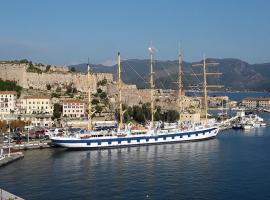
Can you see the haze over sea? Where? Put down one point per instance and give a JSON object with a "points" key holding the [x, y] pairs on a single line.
{"points": [[235, 165]]}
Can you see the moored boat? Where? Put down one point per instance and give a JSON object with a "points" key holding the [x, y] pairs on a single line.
{"points": [[151, 137], [171, 132]]}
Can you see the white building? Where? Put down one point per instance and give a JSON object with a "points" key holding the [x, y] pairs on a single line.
{"points": [[8, 102], [36, 105], [256, 102], [74, 108]]}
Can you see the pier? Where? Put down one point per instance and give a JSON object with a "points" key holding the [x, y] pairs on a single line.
{"points": [[30, 145], [9, 158], [7, 195]]}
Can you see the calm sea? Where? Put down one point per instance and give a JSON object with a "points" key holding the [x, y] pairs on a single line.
{"points": [[235, 165]]}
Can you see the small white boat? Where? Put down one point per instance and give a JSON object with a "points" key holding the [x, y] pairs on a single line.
{"points": [[263, 124], [247, 126]]}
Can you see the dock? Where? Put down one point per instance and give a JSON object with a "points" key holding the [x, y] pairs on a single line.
{"points": [[30, 145], [9, 158], [7, 195]]}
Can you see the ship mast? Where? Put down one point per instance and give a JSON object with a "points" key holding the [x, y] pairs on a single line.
{"points": [[180, 84], [205, 84], [89, 73], [205, 91], [151, 51], [119, 85]]}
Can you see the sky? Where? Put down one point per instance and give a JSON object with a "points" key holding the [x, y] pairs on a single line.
{"points": [[65, 32]]}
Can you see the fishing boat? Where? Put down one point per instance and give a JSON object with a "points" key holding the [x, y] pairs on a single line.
{"points": [[124, 136]]}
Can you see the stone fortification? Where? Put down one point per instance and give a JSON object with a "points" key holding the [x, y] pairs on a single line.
{"points": [[18, 72]]}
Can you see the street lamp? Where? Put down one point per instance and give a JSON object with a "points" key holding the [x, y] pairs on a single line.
{"points": [[28, 134], [9, 140]]}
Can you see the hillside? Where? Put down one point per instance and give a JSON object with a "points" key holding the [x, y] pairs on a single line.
{"points": [[237, 74]]}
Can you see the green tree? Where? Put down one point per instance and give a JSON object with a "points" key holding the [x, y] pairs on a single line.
{"points": [[106, 101], [95, 101], [57, 111], [146, 109], [24, 61], [98, 109], [171, 116], [55, 95], [138, 114], [71, 89], [103, 95], [48, 67], [99, 91], [102, 82], [49, 87], [10, 86], [158, 115], [32, 68], [72, 69]]}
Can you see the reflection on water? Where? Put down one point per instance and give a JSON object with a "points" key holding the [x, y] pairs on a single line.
{"points": [[91, 172], [145, 155], [254, 132]]}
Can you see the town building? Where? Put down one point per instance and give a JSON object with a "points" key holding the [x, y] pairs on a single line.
{"points": [[8, 102], [256, 102], [74, 108], [190, 117], [36, 105]]}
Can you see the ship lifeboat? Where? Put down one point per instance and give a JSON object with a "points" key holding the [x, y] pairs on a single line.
{"points": [[85, 137], [121, 135], [138, 129]]}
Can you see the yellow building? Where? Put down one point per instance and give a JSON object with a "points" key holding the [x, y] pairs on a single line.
{"points": [[36, 105], [190, 117], [256, 102]]}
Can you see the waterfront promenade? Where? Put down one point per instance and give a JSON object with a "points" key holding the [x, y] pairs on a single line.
{"points": [[30, 145], [4, 195], [9, 158]]}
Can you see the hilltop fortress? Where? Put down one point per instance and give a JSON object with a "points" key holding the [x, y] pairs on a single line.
{"points": [[38, 76]]}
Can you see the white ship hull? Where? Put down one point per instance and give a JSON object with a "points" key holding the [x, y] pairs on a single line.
{"points": [[131, 140]]}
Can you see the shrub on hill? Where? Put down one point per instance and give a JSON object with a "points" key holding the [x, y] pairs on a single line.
{"points": [[10, 86]]}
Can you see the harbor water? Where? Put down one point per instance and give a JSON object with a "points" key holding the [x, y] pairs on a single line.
{"points": [[235, 165]]}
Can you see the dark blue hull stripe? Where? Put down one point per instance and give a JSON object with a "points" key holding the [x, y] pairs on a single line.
{"points": [[129, 139]]}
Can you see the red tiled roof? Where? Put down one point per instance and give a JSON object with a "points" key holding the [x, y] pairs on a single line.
{"points": [[72, 101], [36, 97], [256, 99], [8, 92]]}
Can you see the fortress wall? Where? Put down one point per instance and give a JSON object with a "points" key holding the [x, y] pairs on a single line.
{"points": [[13, 72], [17, 73], [39, 81]]}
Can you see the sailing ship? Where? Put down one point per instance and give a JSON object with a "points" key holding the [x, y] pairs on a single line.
{"points": [[123, 136]]}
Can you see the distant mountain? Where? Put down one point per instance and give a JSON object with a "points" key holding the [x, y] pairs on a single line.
{"points": [[96, 68], [237, 74]]}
